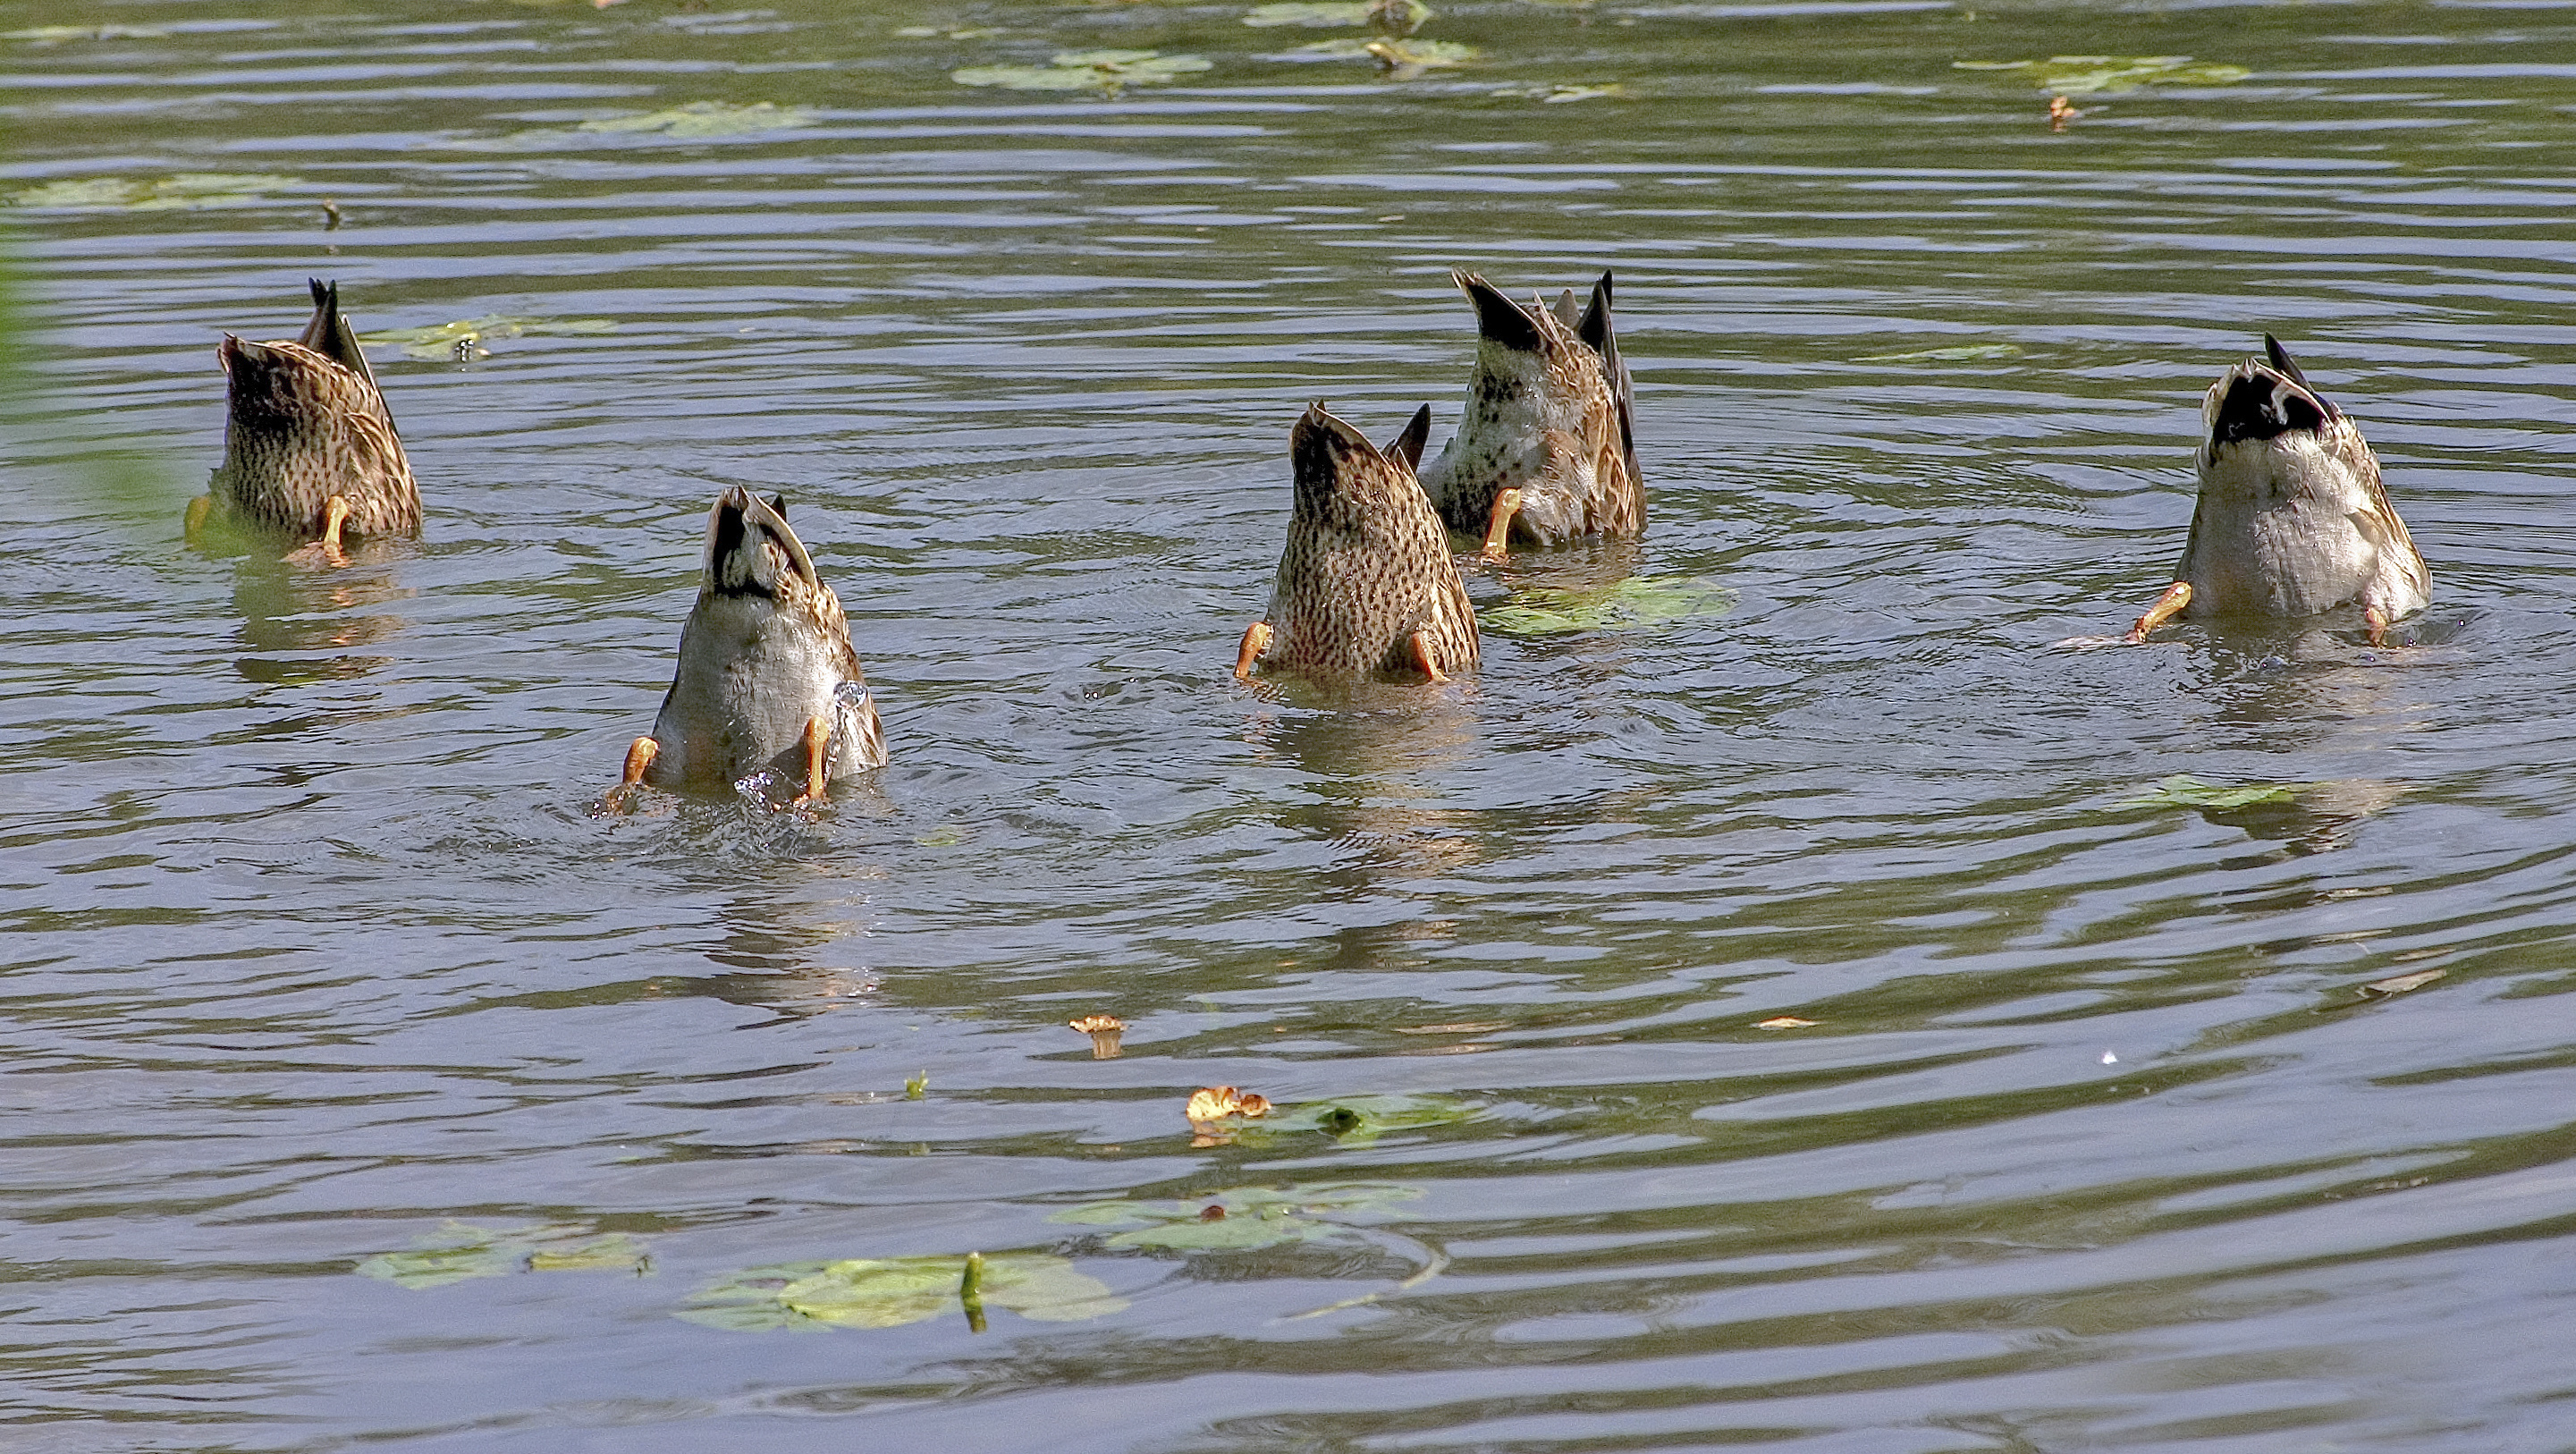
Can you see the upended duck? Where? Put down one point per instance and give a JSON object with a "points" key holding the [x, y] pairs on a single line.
{"points": [[1366, 584], [767, 678], [310, 449], [2292, 519], [1547, 451]]}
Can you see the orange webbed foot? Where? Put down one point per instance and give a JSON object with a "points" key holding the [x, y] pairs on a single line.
{"points": [[1420, 645], [1507, 504], [1256, 640], [2167, 606], [818, 752]]}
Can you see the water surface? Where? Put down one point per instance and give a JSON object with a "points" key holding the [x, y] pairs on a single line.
{"points": [[317, 951]]}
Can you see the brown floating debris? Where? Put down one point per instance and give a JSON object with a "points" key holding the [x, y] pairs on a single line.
{"points": [[2380, 989], [1219, 1102], [2060, 112], [1212, 1212], [1784, 1022], [1104, 1031]]}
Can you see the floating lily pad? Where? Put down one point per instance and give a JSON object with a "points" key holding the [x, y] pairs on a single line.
{"points": [[1956, 353], [616, 1252], [1353, 13], [153, 194], [460, 1251], [1085, 70], [64, 34], [1401, 59], [2182, 790], [1242, 1219], [890, 1292], [696, 121], [1558, 95], [1638, 602], [2380, 989], [1360, 1120], [446, 340], [709, 118], [2079, 74]]}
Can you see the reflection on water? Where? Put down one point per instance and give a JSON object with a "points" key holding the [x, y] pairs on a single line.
{"points": [[315, 948], [302, 618]]}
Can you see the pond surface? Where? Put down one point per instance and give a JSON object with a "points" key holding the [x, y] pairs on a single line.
{"points": [[365, 1088]]}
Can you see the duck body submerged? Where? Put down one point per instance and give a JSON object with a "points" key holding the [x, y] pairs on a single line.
{"points": [[2293, 519], [767, 679], [1366, 585], [1546, 451], [309, 447]]}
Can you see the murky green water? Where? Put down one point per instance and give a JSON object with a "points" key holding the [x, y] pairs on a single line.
{"points": [[317, 961]]}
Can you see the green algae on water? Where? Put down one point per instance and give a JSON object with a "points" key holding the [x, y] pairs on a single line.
{"points": [[465, 336], [2079, 75], [1106, 71], [181, 191]]}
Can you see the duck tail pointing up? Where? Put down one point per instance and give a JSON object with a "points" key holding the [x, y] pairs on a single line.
{"points": [[328, 332], [1597, 333]]}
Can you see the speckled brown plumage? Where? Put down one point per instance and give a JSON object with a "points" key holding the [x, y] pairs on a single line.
{"points": [[765, 652], [306, 423], [1549, 412], [1367, 565]]}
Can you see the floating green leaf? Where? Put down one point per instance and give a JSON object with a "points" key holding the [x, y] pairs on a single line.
{"points": [[709, 118], [1353, 13], [1243, 1218], [1559, 94], [153, 194], [447, 340], [2182, 790], [696, 121], [1956, 353], [615, 1252], [1405, 59], [2075, 75], [1085, 70], [2380, 989], [893, 1291], [1360, 1120], [459, 1251], [63, 34], [1637, 602]]}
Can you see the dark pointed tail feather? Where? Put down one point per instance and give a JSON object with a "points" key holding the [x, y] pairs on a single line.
{"points": [[1406, 447], [1597, 333], [2288, 368], [2259, 407], [1499, 320], [2281, 360], [329, 334]]}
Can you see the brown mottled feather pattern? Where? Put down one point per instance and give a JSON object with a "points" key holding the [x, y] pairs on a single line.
{"points": [[1547, 414], [1366, 563], [304, 426]]}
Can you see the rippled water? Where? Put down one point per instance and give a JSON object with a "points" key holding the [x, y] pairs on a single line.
{"points": [[316, 952]]}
